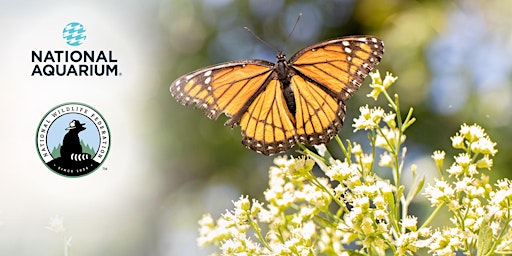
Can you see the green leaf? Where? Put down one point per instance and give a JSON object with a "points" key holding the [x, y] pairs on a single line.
{"points": [[484, 242]]}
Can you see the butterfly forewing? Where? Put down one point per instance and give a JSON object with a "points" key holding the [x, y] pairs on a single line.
{"points": [[339, 65], [224, 88]]}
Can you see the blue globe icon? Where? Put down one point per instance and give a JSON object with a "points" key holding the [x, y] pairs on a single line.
{"points": [[74, 34]]}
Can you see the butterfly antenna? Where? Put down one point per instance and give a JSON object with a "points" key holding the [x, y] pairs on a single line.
{"points": [[259, 39], [294, 26]]}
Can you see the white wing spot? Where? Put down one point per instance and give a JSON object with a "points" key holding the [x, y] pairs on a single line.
{"points": [[207, 80], [349, 58], [188, 77], [209, 88], [208, 73], [345, 43], [348, 50], [178, 82], [374, 39]]}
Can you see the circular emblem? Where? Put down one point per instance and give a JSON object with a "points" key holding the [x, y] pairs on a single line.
{"points": [[74, 34], [73, 139]]}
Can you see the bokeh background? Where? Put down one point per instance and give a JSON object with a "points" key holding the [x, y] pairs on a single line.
{"points": [[169, 164]]}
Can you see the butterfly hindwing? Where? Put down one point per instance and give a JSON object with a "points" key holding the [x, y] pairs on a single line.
{"points": [[224, 88], [268, 127], [319, 115]]}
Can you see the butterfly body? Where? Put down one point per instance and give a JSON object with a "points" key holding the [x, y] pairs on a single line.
{"points": [[279, 104]]}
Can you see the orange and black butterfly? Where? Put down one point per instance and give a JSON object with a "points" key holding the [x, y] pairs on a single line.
{"points": [[278, 104]]}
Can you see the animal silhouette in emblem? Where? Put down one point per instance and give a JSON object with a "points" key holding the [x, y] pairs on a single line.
{"points": [[71, 142], [73, 161]]}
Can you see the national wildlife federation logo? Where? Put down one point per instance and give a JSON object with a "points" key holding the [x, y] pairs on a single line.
{"points": [[73, 139], [74, 34]]}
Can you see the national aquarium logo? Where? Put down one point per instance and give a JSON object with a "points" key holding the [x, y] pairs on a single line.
{"points": [[73, 139], [74, 61], [74, 34]]}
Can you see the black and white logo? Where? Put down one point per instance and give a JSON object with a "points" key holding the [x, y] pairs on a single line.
{"points": [[73, 139]]}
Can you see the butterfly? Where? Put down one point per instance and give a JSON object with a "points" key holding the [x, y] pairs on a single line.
{"points": [[279, 104]]}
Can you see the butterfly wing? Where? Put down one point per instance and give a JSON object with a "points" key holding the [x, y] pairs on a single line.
{"points": [[247, 91], [326, 74], [225, 88], [319, 115], [268, 125]]}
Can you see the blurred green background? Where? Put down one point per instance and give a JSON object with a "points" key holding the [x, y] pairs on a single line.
{"points": [[453, 60]]}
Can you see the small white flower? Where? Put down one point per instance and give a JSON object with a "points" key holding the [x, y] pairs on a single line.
{"points": [[308, 230], [462, 185], [341, 170], [389, 80], [385, 160], [438, 157], [410, 222], [484, 146], [439, 193], [476, 132], [357, 149], [369, 118], [463, 159], [455, 170], [457, 142], [376, 78], [56, 224], [484, 163], [389, 119], [367, 161], [464, 130]]}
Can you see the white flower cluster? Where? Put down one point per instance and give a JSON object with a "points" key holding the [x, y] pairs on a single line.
{"points": [[290, 215], [353, 211], [481, 213]]}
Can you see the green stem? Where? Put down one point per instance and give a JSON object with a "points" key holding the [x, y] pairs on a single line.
{"points": [[345, 152], [257, 230], [502, 233], [432, 216], [317, 183], [393, 106]]}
